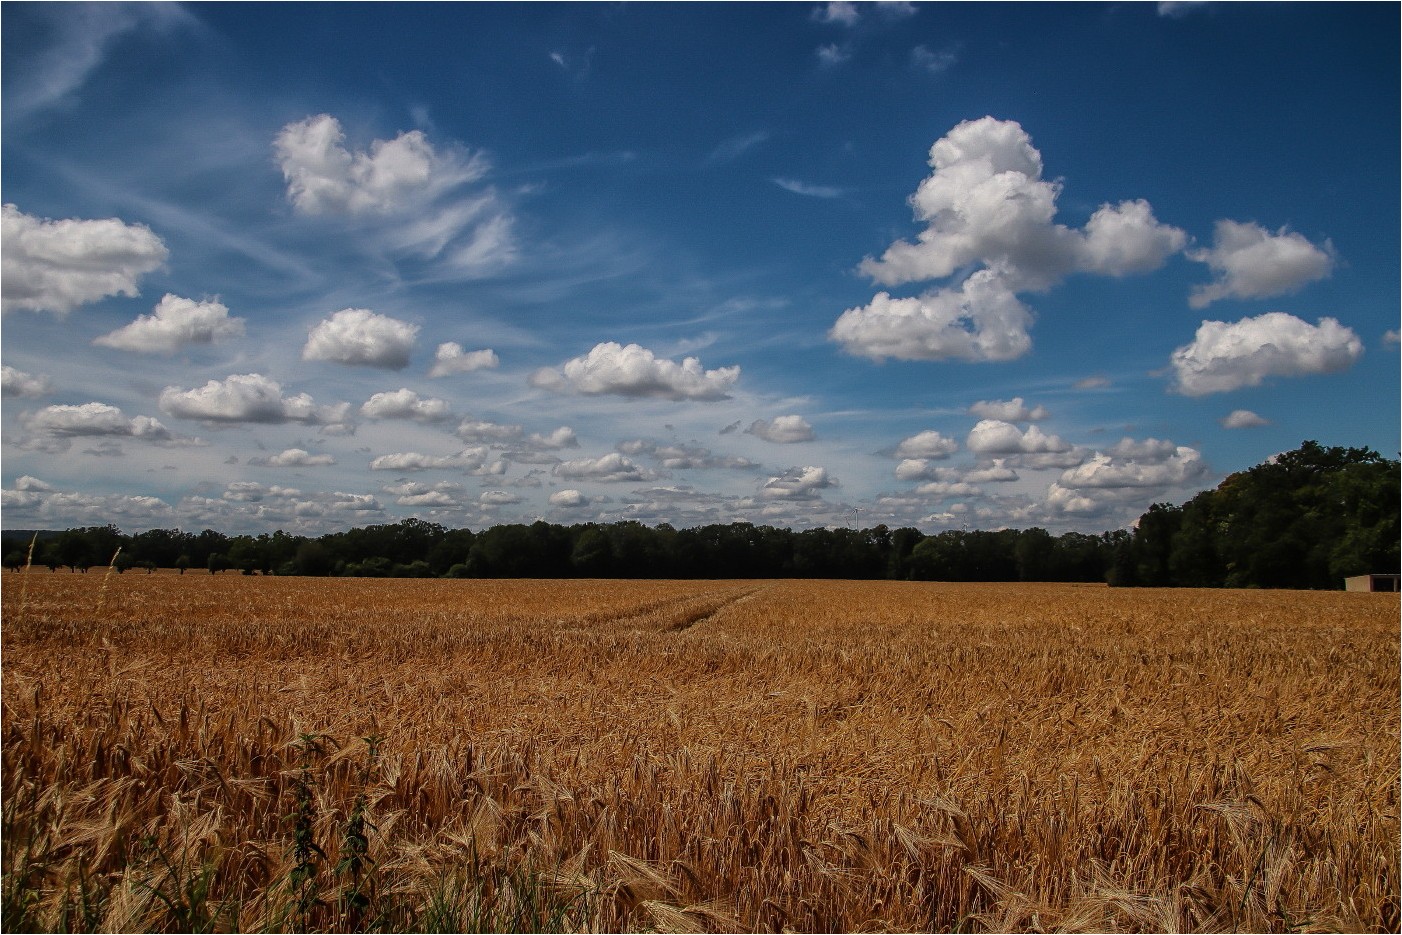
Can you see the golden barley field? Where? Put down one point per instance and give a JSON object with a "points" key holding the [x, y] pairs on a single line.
{"points": [[212, 753]]}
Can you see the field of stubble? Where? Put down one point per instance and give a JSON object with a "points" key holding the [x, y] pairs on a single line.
{"points": [[186, 753]]}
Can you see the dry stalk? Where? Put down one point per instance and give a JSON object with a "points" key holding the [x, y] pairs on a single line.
{"points": [[697, 756]]}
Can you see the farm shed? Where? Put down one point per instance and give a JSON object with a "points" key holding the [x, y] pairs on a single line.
{"points": [[1372, 583]]}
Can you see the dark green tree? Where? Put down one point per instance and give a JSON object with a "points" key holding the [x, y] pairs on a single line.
{"points": [[1153, 545], [592, 555], [1034, 553], [1305, 519]]}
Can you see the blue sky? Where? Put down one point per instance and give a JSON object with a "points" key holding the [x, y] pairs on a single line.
{"points": [[950, 266]]}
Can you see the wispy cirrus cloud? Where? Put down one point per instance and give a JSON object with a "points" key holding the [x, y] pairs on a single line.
{"points": [[807, 190], [422, 199], [79, 37], [935, 63], [736, 146], [324, 177]]}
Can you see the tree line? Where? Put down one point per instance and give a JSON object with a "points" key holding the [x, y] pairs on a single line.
{"points": [[1304, 519], [414, 548]]}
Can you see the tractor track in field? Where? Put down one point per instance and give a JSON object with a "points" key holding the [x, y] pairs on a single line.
{"points": [[691, 616], [678, 614]]}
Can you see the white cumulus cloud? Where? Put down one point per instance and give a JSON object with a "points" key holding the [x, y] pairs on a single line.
{"points": [[995, 471], [323, 177], [838, 11], [413, 494], [562, 437], [684, 457], [536, 448], [979, 320], [1123, 239], [56, 266], [61, 509], [1150, 449], [1064, 500], [475, 461], [994, 436], [478, 430], [175, 323], [798, 483], [927, 444], [1249, 262], [409, 189], [293, 457], [1243, 419], [361, 337], [1224, 357], [987, 207], [19, 383], [782, 430], [429, 498], [1008, 410], [987, 203], [609, 468], [943, 489], [248, 397], [404, 403], [915, 469], [450, 358], [568, 498], [635, 371], [93, 419], [1108, 471]]}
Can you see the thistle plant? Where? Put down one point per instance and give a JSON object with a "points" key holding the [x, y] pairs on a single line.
{"points": [[355, 865], [306, 854]]}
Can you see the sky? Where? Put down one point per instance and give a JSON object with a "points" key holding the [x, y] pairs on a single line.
{"points": [[315, 266]]}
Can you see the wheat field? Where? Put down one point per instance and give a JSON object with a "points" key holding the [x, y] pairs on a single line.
{"points": [[212, 753]]}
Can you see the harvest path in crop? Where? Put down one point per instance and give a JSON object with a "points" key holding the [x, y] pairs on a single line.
{"points": [[696, 755]]}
